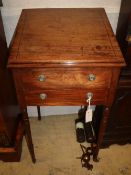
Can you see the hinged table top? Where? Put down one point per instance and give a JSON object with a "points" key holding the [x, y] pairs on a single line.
{"points": [[64, 36]]}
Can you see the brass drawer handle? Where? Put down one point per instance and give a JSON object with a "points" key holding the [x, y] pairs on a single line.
{"points": [[91, 77], [89, 95], [43, 96], [41, 78]]}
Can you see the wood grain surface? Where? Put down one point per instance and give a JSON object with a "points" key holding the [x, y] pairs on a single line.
{"points": [[65, 78], [65, 97], [65, 46], [64, 36]]}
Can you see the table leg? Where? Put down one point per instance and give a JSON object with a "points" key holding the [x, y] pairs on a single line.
{"points": [[28, 136], [39, 114], [103, 124]]}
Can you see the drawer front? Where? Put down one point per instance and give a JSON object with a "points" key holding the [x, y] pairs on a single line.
{"points": [[64, 97], [65, 78]]}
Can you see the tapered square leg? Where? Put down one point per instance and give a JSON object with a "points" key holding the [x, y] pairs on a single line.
{"points": [[39, 114], [28, 137]]}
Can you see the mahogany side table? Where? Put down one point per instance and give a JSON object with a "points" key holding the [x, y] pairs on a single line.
{"points": [[60, 56]]}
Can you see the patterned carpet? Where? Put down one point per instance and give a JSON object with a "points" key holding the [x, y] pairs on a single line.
{"points": [[56, 150]]}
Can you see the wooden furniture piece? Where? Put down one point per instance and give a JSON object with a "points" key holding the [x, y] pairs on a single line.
{"points": [[119, 126], [11, 130], [39, 114], [1, 3], [60, 57]]}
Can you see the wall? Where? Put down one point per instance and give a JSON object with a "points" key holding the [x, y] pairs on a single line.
{"points": [[11, 10]]}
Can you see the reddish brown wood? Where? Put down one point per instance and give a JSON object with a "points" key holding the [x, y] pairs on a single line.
{"points": [[65, 36], [26, 123], [65, 45], [65, 97], [103, 124], [11, 129], [28, 136], [102, 128], [13, 153], [63, 78], [113, 85]]}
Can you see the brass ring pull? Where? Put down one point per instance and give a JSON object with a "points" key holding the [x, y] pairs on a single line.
{"points": [[43, 96], [91, 77], [89, 95], [41, 78]]}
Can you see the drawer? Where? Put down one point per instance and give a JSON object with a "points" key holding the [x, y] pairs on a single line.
{"points": [[64, 97], [66, 78]]}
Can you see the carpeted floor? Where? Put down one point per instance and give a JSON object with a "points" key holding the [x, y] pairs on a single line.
{"points": [[56, 150]]}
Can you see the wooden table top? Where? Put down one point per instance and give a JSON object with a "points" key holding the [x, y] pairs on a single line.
{"points": [[64, 36]]}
